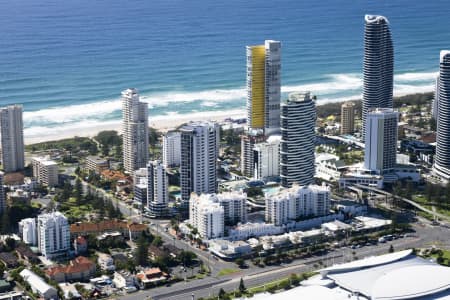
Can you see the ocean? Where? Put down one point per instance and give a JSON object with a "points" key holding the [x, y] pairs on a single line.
{"points": [[68, 61]]}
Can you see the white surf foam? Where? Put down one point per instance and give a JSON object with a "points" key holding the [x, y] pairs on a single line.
{"points": [[334, 88]]}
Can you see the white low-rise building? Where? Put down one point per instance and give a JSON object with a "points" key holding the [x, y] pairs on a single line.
{"points": [[69, 291], [247, 230], [38, 285], [274, 241], [224, 248], [96, 164], [298, 201], [368, 223], [328, 167], [124, 279], [106, 262]]}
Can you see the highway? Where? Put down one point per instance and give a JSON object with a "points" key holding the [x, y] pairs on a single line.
{"points": [[425, 236]]}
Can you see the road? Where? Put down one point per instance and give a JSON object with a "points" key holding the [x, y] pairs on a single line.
{"points": [[425, 236], [213, 264]]}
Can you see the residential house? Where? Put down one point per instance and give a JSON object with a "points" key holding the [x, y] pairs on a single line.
{"points": [[124, 279], [127, 229], [106, 262], [78, 269], [9, 260], [151, 277]]}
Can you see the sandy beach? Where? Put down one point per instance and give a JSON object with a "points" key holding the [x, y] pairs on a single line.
{"points": [[162, 123]]}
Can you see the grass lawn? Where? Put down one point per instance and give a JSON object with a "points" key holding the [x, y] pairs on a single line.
{"points": [[70, 208], [268, 286], [445, 257], [442, 209], [224, 272]]}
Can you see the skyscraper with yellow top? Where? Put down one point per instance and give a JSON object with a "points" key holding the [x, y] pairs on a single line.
{"points": [[264, 87]]}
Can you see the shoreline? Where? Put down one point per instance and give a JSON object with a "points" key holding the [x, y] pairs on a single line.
{"points": [[162, 123]]}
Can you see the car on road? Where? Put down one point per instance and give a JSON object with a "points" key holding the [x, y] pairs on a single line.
{"points": [[130, 289]]}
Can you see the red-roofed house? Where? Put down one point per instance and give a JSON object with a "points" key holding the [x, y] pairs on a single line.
{"points": [[151, 277], [78, 269]]}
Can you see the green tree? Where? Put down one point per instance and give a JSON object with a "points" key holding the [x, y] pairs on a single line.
{"points": [[153, 135], [294, 279], [187, 257], [157, 241], [141, 254], [240, 262], [222, 294], [242, 287], [254, 191], [67, 191], [78, 191]]}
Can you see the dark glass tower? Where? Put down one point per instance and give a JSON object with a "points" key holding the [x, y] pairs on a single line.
{"points": [[298, 119], [442, 158], [378, 66]]}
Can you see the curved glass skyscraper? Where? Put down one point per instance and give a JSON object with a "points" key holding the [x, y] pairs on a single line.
{"points": [[442, 158], [298, 118], [378, 65]]}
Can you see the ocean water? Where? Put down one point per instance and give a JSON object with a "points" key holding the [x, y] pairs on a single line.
{"points": [[68, 61]]}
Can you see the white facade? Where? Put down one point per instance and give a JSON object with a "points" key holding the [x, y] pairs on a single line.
{"points": [[106, 262], [172, 149], [247, 230], [327, 167], [134, 130], [297, 201], [381, 140], [53, 234], [199, 152], [11, 131], [28, 231], [207, 215], [45, 171], [96, 164], [157, 189], [38, 285], [234, 205], [123, 279], [267, 158], [435, 103]]}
